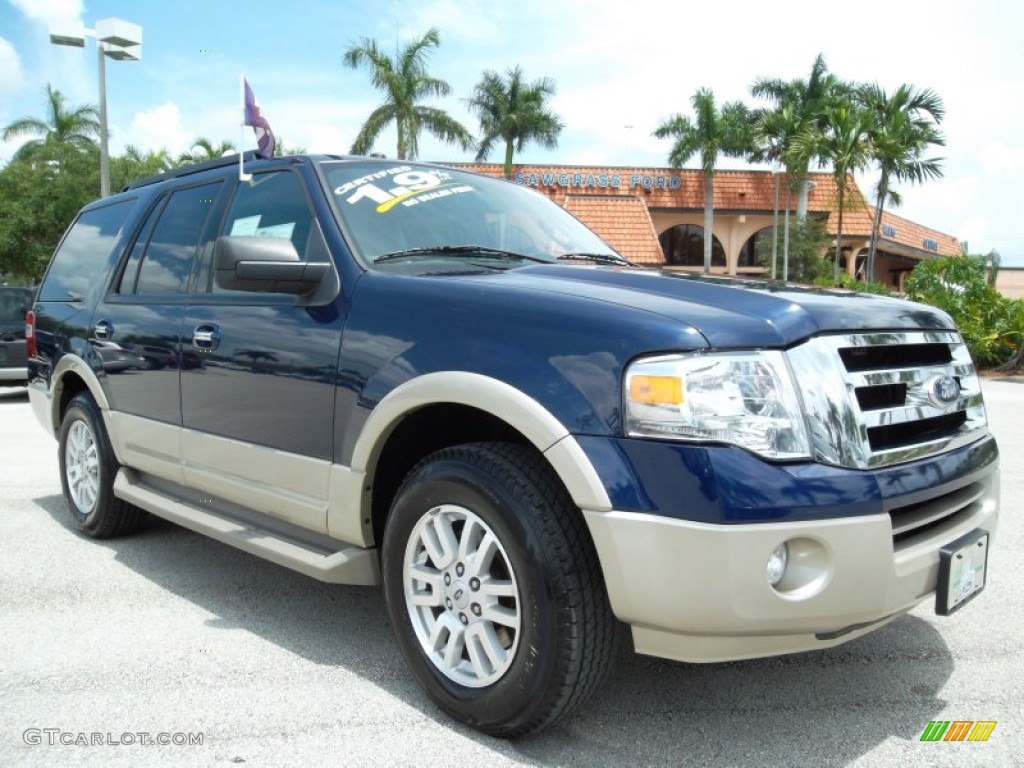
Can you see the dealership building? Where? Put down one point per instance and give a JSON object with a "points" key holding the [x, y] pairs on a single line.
{"points": [[656, 216]]}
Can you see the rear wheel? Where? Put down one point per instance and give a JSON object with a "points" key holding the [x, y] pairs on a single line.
{"points": [[87, 471], [494, 589]]}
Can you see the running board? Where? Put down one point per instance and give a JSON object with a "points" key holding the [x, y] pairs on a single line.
{"points": [[349, 565]]}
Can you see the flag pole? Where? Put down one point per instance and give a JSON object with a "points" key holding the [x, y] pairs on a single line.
{"points": [[242, 175]]}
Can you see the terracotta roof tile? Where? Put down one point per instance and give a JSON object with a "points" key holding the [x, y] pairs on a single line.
{"points": [[623, 221], [901, 231], [735, 192]]}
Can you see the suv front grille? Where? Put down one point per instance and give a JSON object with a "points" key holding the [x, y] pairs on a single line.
{"points": [[874, 399], [911, 522]]}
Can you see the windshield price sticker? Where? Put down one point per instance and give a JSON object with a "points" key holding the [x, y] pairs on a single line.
{"points": [[411, 188]]}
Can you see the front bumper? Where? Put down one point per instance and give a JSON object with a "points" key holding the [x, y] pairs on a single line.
{"points": [[697, 591]]}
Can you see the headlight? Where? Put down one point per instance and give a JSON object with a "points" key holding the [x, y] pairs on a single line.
{"points": [[744, 398]]}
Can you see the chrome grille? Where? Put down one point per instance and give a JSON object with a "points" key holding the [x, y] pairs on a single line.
{"points": [[871, 399]]}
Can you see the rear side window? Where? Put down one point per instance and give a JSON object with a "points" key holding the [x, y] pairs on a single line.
{"points": [[167, 260], [82, 257]]}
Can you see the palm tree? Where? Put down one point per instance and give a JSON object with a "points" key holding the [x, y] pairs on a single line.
{"points": [[903, 127], [138, 164], [773, 133], [808, 99], [282, 150], [513, 111], [152, 161], [405, 82], [713, 131], [204, 149], [844, 143], [77, 128]]}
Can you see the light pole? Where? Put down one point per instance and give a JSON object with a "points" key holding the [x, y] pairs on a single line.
{"points": [[120, 40]]}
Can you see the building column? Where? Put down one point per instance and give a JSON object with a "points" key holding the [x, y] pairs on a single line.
{"points": [[732, 245], [851, 261]]}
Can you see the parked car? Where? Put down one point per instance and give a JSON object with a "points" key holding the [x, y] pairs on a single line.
{"points": [[395, 373], [14, 305]]}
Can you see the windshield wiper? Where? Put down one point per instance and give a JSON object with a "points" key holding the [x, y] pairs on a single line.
{"points": [[459, 251], [601, 258]]}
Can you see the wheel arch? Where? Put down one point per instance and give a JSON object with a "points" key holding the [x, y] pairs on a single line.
{"points": [[441, 409], [71, 376]]}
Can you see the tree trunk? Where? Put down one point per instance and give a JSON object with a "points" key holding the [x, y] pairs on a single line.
{"points": [[785, 231], [401, 138], [876, 226], [839, 237], [709, 218], [508, 158], [775, 229], [785, 237], [804, 191]]}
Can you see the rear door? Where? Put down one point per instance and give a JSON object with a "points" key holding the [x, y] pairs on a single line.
{"points": [[258, 373], [135, 330]]}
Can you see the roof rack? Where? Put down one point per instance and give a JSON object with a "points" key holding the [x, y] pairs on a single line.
{"points": [[186, 170]]}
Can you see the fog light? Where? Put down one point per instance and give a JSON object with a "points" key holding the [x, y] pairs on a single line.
{"points": [[777, 564]]}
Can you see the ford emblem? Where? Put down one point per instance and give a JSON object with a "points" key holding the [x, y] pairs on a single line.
{"points": [[943, 391]]}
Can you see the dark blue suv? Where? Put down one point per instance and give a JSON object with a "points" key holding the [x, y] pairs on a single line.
{"points": [[384, 372]]}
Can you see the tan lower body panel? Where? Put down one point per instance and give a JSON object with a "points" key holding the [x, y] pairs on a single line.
{"points": [[699, 592], [297, 489], [714, 648]]}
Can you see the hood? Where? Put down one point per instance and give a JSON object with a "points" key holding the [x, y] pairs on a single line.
{"points": [[732, 312]]}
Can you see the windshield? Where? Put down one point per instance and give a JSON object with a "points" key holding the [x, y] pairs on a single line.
{"points": [[397, 211]]}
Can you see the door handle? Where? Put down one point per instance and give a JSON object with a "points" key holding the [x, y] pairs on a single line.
{"points": [[206, 337], [104, 329]]}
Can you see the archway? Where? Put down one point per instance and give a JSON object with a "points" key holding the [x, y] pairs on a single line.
{"points": [[683, 246], [757, 251]]}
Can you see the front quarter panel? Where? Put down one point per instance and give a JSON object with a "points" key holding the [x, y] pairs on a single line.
{"points": [[567, 353]]}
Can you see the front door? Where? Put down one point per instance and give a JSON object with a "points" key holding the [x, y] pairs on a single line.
{"points": [[258, 373]]}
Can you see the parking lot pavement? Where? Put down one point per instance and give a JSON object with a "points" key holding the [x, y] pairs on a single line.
{"points": [[167, 632]]}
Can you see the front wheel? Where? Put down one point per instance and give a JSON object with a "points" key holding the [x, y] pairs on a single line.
{"points": [[494, 589]]}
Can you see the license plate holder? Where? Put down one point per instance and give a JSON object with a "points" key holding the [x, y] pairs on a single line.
{"points": [[963, 566]]}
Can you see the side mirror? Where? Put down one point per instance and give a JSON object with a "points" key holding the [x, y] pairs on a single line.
{"points": [[264, 265]]}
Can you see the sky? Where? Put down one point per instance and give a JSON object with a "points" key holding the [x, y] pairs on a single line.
{"points": [[620, 68]]}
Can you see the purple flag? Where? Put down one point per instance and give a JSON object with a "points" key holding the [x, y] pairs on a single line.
{"points": [[253, 116]]}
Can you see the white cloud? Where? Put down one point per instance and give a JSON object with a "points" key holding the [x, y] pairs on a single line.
{"points": [[158, 127], [998, 159], [329, 139], [975, 229], [475, 19], [10, 69], [50, 11]]}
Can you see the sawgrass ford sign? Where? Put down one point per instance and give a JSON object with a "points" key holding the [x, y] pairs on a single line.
{"points": [[598, 180]]}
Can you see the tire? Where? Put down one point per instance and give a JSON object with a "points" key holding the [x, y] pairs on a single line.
{"points": [[87, 471], [508, 627]]}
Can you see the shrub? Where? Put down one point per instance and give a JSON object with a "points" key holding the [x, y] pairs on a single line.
{"points": [[991, 324]]}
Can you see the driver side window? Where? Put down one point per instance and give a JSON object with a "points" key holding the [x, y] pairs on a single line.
{"points": [[269, 205]]}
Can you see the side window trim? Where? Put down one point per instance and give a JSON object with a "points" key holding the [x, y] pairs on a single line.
{"points": [[141, 236], [148, 230]]}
